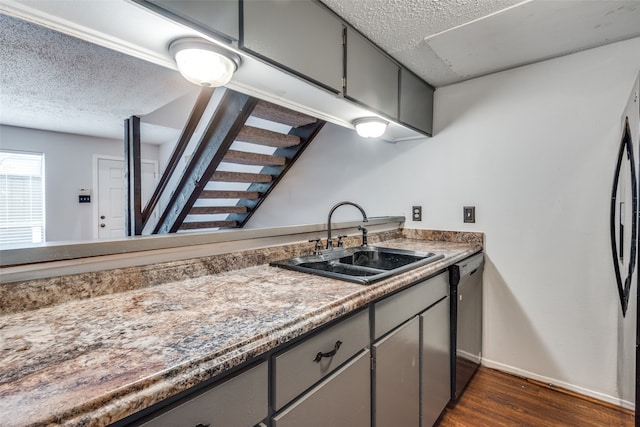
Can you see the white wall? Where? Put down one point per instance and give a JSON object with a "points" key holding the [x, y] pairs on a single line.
{"points": [[534, 149], [68, 168]]}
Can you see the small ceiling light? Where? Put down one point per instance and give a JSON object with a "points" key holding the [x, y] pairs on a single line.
{"points": [[370, 127], [204, 63]]}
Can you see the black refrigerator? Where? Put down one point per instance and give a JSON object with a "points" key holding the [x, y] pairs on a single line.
{"points": [[635, 97], [625, 221], [633, 120]]}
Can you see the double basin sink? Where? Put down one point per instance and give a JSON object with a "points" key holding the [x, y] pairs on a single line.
{"points": [[362, 264]]}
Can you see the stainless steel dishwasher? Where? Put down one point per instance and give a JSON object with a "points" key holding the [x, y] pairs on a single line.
{"points": [[465, 280]]}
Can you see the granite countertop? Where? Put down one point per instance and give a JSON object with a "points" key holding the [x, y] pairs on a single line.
{"points": [[94, 361]]}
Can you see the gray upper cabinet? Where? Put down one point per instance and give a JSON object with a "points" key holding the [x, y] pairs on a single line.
{"points": [[416, 102], [299, 36], [220, 16], [372, 77]]}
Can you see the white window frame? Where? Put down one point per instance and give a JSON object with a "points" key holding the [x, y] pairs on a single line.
{"points": [[38, 226]]}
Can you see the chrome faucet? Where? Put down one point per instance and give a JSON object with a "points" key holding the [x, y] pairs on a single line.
{"points": [[364, 219]]}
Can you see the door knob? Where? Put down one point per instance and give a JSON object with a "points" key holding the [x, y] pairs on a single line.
{"points": [[102, 225]]}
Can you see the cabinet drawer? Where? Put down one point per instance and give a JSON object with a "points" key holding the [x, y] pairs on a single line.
{"points": [[240, 401], [392, 311], [343, 399], [295, 369]]}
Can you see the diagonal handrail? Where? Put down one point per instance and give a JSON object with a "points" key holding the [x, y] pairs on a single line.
{"points": [[232, 113], [194, 119]]}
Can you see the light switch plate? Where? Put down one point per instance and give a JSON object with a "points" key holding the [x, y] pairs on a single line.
{"points": [[469, 213], [84, 196]]}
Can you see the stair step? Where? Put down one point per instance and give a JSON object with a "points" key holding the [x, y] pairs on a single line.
{"points": [[275, 113], [269, 138], [247, 158], [218, 194], [241, 177], [212, 210], [208, 224]]}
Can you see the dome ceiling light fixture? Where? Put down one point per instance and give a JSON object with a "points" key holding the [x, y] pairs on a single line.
{"points": [[202, 62], [370, 127]]}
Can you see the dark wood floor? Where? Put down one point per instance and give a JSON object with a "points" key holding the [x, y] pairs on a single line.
{"points": [[496, 399]]}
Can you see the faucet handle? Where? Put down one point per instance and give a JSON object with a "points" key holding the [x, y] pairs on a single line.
{"points": [[318, 246], [340, 242]]}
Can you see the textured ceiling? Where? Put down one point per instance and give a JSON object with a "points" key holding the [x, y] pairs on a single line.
{"points": [[53, 81], [400, 27], [447, 41]]}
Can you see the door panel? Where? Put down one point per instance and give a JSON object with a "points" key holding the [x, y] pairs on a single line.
{"points": [[397, 377], [111, 195]]}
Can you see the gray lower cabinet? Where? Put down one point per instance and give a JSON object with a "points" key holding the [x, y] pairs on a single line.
{"points": [[299, 35], [397, 377], [220, 16], [341, 400], [416, 102], [371, 76], [411, 355], [240, 401], [299, 367], [435, 361]]}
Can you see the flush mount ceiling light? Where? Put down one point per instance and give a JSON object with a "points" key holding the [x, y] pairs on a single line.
{"points": [[370, 127], [204, 63]]}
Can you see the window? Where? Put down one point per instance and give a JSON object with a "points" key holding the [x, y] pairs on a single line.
{"points": [[21, 197]]}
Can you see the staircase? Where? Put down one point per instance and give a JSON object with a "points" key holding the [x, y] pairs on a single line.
{"points": [[244, 151]]}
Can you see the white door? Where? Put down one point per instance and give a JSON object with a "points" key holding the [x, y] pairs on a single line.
{"points": [[111, 195]]}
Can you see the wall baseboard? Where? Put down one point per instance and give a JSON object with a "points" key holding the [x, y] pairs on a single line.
{"points": [[557, 383]]}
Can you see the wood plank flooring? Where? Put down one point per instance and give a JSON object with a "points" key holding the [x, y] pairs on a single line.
{"points": [[496, 399]]}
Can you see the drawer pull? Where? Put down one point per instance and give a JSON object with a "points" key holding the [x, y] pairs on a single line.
{"points": [[332, 353], [202, 425]]}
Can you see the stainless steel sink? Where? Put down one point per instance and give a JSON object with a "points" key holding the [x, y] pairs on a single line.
{"points": [[362, 264]]}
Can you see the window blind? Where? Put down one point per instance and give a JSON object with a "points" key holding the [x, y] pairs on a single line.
{"points": [[21, 197]]}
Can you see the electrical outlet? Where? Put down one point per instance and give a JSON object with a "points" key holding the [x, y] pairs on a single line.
{"points": [[469, 213], [416, 213]]}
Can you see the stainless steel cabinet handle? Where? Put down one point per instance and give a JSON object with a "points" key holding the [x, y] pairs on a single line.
{"points": [[331, 353]]}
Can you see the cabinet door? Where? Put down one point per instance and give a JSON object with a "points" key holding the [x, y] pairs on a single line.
{"points": [[436, 361], [299, 35], [416, 102], [342, 400], [372, 78], [221, 16], [397, 377], [240, 401]]}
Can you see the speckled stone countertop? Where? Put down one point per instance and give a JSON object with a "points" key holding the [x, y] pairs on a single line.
{"points": [[94, 361]]}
